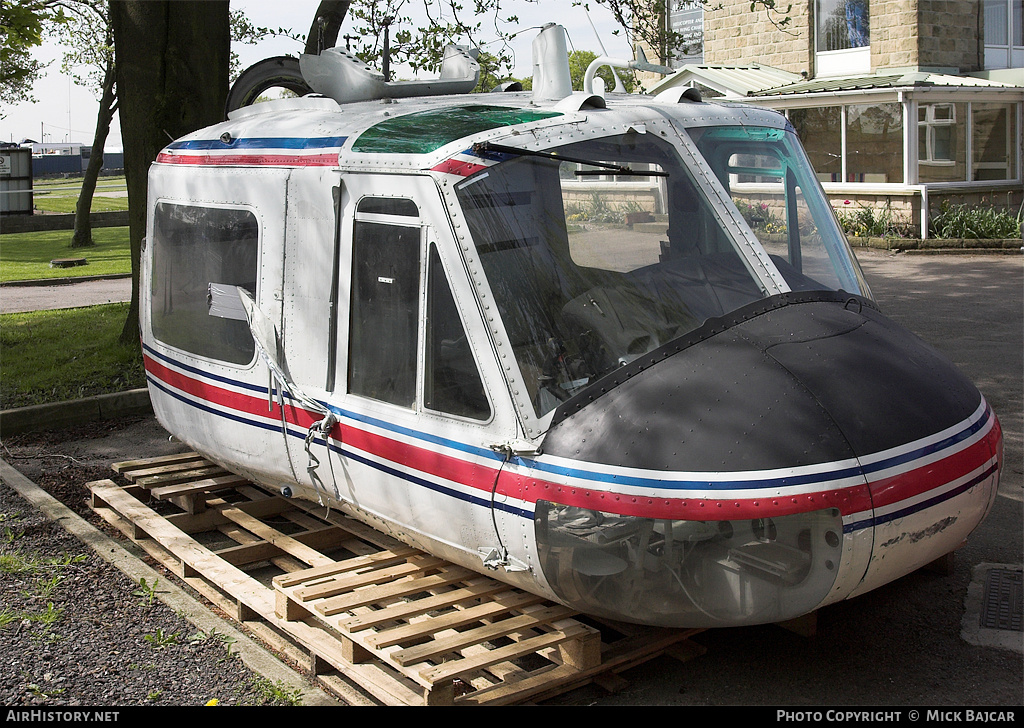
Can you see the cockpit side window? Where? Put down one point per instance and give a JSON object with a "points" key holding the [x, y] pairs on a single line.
{"points": [[774, 188], [451, 378], [204, 254]]}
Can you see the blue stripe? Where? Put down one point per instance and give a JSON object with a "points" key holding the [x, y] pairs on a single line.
{"points": [[923, 505], [489, 155], [933, 448], [299, 143], [781, 482], [660, 484], [436, 487], [453, 444], [482, 452], [212, 410], [207, 375]]}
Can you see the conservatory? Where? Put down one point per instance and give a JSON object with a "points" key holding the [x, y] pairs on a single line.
{"points": [[902, 141]]}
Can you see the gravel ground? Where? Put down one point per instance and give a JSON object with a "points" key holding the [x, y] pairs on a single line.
{"points": [[74, 629]]}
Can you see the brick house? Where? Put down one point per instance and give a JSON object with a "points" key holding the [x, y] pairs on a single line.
{"points": [[901, 104]]}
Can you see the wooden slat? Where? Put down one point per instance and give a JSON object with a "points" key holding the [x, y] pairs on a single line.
{"points": [[252, 549], [204, 485], [479, 588], [402, 624], [286, 543], [232, 580], [190, 475], [129, 466], [396, 589], [354, 581], [379, 558], [494, 607], [467, 665], [460, 640], [174, 472], [210, 519]]}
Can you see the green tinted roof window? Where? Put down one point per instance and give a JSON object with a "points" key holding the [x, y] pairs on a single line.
{"points": [[745, 133], [426, 131]]}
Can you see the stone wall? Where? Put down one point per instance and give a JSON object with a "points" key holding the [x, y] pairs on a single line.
{"points": [[904, 210], [914, 33], [951, 33], [895, 40], [736, 35]]}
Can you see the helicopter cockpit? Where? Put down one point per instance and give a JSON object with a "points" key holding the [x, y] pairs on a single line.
{"points": [[600, 251]]}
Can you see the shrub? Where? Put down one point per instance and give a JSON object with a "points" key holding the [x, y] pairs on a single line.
{"points": [[966, 221], [868, 222]]}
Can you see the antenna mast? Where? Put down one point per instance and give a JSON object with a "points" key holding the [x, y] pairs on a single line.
{"points": [[618, 81]]}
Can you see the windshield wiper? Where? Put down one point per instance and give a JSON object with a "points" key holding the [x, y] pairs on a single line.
{"points": [[618, 169]]}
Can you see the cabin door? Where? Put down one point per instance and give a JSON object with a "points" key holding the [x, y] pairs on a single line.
{"points": [[422, 388]]}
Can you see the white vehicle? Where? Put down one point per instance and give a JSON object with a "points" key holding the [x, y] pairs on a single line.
{"points": [[609, 348]]}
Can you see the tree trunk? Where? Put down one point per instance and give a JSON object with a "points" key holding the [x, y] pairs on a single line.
{"points": [[172, 61], [83, 209]]}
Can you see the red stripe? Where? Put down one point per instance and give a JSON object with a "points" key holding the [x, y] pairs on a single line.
{"points": [[423, 460], [461, 168], [853, 499], [886, 491], [289, 160]]}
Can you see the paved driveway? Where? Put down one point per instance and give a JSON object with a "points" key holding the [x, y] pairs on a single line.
{"points": [[18, 298]]}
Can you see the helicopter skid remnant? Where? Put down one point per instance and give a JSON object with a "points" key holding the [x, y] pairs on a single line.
{"points": [[405, 627]]}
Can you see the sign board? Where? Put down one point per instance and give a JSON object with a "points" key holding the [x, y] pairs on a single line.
{"points": [[686, 17], [5, 165]]}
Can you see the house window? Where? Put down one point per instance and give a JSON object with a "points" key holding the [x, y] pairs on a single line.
{"points": [[820, 130], [203, 255], [993, 147], [941, 142], [843, 37], [874, 143], [1004, 34]]}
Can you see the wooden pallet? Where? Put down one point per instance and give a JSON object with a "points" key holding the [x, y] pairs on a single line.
{"points": [[362, 609]]}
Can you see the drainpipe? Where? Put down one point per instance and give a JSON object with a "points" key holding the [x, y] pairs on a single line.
{"points": [[924, 212]]}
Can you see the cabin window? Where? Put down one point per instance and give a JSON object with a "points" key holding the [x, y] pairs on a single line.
{"points": [[384, 311], [401, 206], [452, 381], [201, 256]]}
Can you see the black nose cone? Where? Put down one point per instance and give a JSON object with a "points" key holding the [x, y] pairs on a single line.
{"points": [[795, 380]]}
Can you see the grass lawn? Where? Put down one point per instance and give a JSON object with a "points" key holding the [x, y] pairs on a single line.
{"points": [[52, 356], [62, 195], [27, 256]]}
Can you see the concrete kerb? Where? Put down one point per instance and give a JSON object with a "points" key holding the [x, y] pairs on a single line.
{"points": [[253, 655], [949, 246], [64, 280], [35, 418]]}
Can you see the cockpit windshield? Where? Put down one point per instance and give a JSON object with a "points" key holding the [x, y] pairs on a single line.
{"points": [[601, 251]]}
